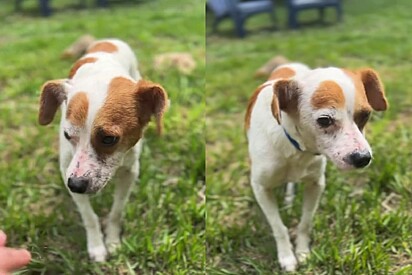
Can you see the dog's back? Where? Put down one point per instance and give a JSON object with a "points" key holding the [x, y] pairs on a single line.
{"points": [[108, 57]]}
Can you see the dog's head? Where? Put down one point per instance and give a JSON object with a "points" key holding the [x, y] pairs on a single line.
{"points": [[100, 125], [329, 108]]}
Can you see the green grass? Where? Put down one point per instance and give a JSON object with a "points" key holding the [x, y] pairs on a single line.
{"points": [[164, 225], [363, 224]]}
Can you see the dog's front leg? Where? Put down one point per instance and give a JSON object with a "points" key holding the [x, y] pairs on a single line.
{"points": [[311, 197], [267, 201], [123, 181], [95, 245]]}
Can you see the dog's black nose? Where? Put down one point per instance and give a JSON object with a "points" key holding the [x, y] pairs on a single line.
{"points": [[78, 184], [360, 159]]}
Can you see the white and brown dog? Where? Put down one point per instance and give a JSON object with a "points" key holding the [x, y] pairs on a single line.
{"points": [[293, 121], [105, 108]]}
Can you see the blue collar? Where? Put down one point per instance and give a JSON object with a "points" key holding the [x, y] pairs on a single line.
{"points": [[293, 141]]}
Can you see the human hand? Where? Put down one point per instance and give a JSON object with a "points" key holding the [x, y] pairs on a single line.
{"points": [[11, 258]]}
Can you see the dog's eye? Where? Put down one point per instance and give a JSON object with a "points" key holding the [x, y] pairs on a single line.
{"points": [[110, 140], [66, 135], [325, 121]]}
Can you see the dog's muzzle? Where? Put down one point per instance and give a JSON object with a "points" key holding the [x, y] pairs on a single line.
{"points": [[78, 184]]}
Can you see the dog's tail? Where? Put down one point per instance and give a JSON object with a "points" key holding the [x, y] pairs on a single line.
{"points": [[79, 47], [268, 67]]}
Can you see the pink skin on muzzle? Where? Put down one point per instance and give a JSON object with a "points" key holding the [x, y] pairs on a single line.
{"points": [[81, 165], [351, 141]]}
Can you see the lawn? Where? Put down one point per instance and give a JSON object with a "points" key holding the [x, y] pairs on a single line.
{"points": [[363, 224], [164, 224]]}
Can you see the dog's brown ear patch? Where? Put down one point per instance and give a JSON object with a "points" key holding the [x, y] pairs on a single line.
{"points": [[80, 63], [328, 95], [52, 95], [286, 96], [152, 101], [103, 46], [282, 73], [374, 89], [77, 109], [275, 108]]}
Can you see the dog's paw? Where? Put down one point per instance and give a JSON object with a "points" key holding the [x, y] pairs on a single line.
{"points": [[288, 263], [113, 244], [302, 250], [112, 240], [302, 255], [98, 253]]}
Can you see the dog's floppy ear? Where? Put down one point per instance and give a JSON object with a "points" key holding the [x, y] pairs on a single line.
{"points": [[285, 97], [152, 101], [374, 89], [53, 93]]}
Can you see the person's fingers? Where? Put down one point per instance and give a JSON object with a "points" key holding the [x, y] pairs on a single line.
{"points": [[3, 238], [12, 259]]}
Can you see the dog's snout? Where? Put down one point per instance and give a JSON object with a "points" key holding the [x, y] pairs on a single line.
{"points": [[78, 184], [360, 159]]}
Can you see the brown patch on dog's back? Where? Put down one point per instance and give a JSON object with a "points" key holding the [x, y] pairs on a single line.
{"points": [[77, 109], [80, 63], [251, 103], [328, 95], [282, 73], [103, 46]]}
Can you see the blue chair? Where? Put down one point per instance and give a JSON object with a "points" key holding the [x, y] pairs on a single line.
{"points": [[239, 12], [46, 10], [43, 5], [295, 6]]}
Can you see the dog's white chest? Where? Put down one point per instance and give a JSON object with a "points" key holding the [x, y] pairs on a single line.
{"points": [[301, 166]]}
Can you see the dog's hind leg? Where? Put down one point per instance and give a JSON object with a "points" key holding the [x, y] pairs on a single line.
{"points": [[311, 196], [123, 183], [289, 194], [95, 245], [267, 201]]}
